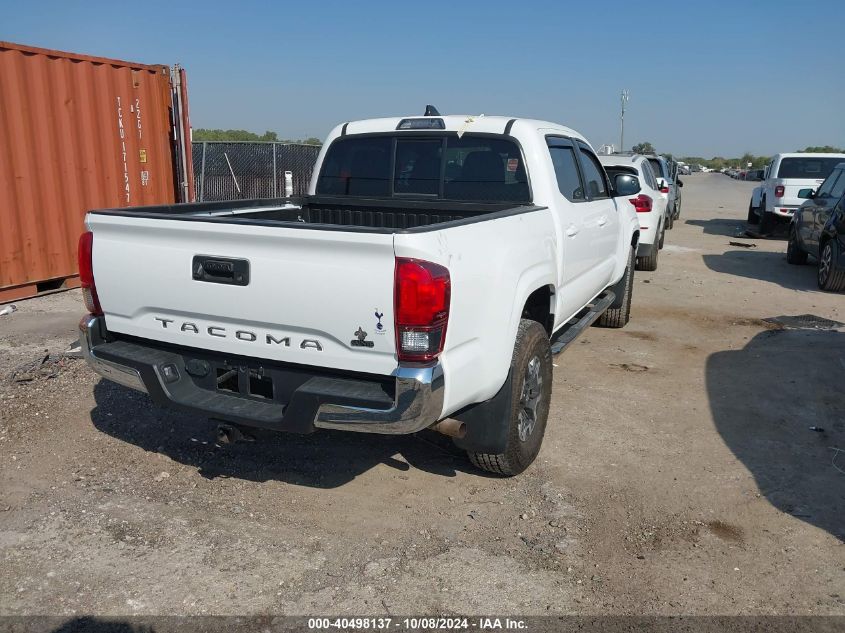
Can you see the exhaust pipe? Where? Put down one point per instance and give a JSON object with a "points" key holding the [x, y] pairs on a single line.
{"points": [[451, 427], [230, 434]]}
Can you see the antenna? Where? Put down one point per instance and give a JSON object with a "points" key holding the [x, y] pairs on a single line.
{"points": [[624, 97]]}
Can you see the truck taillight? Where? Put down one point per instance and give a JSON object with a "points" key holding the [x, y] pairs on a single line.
{"points": [[86, 273], [779, 191], [421, 307], [642, 203], [664, 189]]}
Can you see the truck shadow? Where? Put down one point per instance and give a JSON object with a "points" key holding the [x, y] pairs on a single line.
{"points": [[778, 403], [764, 265], [736, 228], [325, 459], [719, 226]]}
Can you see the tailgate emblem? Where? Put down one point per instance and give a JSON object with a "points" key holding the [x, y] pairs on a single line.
{"points": [[360, 342]]}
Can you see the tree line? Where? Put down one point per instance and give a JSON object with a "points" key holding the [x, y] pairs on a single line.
{"points": [[719, 162], [203, 134]]}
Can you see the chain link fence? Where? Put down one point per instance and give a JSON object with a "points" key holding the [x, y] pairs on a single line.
{"points": [[243, 170]]}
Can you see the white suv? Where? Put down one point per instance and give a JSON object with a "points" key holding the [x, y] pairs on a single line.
{"points": [[783, 178], [650, 204]]}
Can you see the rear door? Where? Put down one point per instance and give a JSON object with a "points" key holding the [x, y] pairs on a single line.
{"points": [[572, 215], [602, 218], [304, 296]]}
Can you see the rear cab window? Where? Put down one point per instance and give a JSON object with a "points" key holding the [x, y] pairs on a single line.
{"points": [[810, 167], [473, 168]]}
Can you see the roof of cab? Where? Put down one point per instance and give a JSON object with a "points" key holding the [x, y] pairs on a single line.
{"points": [[620, 159], [459, 122]]}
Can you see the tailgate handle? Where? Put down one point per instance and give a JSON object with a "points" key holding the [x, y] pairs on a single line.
{"points": [[221, 270]]}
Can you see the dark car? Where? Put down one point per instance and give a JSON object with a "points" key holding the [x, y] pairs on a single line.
{"points": [[818, 230]]}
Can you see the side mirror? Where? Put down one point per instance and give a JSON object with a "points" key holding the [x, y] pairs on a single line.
{"points": [[680, 183], [626, 185], [806, 194]]}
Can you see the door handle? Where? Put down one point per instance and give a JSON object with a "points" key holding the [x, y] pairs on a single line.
{"points": [[571, 230], [603, 220]]}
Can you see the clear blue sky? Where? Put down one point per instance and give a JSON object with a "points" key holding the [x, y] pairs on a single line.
{"points": [[705, 77]]}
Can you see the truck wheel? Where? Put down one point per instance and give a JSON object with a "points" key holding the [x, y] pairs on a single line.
{"points": [[677, 215], [831, 276], [531, 368], [670, 222], [619, 312], [767, 222], [649, 262], [794, 254], [753, 218], [662, 236]]}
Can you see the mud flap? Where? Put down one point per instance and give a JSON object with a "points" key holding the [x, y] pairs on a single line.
{"points": [[487, 422]]}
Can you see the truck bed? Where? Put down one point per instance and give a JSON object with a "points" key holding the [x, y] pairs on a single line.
{"points": [[373, 215]]}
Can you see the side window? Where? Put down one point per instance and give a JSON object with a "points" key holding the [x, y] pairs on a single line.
{"points": [[566, 170], [656, 167], [593, 174], [839, 187], [830, 185], [648, 175]]}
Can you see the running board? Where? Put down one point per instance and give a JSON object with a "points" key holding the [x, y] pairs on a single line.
{"points": [[581, 321]]}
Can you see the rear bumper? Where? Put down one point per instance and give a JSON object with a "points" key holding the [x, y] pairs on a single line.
{"points": [[301, 398]]}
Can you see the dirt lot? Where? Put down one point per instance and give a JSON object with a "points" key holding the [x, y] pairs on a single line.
{"points": [[679, 474]]}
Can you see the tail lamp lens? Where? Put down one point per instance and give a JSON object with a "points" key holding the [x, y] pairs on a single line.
{"points": [[779, 191], [664, 189], [86, 273], [421, 306], [642, 203]]}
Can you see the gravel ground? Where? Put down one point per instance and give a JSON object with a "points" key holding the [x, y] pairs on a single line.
{"points": [[679, 475]]}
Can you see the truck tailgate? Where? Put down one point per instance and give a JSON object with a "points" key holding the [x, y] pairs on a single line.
{"points": [[312, 297]]}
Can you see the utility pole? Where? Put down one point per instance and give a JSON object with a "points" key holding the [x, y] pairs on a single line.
{"points": [[624, 99]]}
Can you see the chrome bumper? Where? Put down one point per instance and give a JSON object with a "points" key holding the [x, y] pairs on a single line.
{"points": [[417, 404], [91, 332]]}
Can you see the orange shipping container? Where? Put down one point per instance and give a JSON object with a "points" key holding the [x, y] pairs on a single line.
{"points": [[79, 133]]}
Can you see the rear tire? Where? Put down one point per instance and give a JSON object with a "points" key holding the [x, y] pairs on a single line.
{"points": [[648, 263], [531, 368], [753, 218], [662, 237], [619, 313], [766, 219], [794, 254], [767, 222], [831, 277]]}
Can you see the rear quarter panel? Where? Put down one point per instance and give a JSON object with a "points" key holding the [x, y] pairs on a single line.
{"points": [[494, 266]]}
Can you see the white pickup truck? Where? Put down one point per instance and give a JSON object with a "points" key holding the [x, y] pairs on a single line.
{"points": [[435, 265], [784, 176]]}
